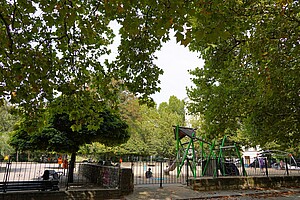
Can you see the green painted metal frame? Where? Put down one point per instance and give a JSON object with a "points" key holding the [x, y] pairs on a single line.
{"points": [[220, 156], [237, 152], [210, 155], [180, 160]]}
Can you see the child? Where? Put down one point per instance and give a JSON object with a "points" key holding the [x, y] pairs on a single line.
{"points": [[148, 173]]}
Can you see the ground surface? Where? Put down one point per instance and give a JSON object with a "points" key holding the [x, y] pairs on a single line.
{"points": [[176, 191]]}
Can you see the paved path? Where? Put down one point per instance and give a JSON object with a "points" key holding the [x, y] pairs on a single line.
{"points": [[180, 192]]}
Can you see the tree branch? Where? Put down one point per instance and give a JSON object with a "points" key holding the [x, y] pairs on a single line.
{"points": [[237, 43], [9, 35]]}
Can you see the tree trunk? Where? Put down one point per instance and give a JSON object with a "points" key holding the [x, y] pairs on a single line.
{"points": [[71, 168]]}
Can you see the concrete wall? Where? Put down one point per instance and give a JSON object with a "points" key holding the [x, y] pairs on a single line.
{"points": [[96, 194], [109, 177], [228, 183], [104, 176]]}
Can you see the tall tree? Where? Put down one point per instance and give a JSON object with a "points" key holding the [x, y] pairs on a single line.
{"points": [[251, 51], [151, 128], [249, 81], [48, 47], [7, 121], [175, 106], [61, 133]]}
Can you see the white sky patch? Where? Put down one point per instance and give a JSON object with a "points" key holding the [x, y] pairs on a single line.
{"points": [[175, 60]]}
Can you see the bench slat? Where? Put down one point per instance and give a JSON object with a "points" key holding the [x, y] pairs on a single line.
{"points": [[29, 185]]}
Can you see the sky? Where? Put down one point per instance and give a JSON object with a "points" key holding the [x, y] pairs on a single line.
{"points": [[175, 60]]}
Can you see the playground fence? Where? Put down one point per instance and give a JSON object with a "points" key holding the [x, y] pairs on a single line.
{"points": [[155, 172], [268, 168], [33, 171], [146, 170], [165, 171]]}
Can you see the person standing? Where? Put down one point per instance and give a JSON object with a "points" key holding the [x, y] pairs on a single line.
{"points": [[281, 164], [261, 163], [59, 161]]}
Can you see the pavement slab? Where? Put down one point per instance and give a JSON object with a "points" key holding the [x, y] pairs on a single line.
{"points": [[182, 192]]}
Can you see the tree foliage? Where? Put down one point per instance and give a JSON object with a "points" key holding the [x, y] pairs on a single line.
{"points": [[249, 81], [7, 121], [60, 137], [61, 133], [151, 129], [54, 46]]}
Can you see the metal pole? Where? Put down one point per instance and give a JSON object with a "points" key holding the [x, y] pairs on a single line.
{"points": [[243, 167], [161, 174], [241, 160], [221, 157], [178, 159], [7, 173], [266, 166], [217, 167], [286, 166]]}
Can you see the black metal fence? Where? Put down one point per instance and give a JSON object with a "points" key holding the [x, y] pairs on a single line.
{"points": [[155, 172], [267, 167], [35, 171], [167, 172], [145, 171]]}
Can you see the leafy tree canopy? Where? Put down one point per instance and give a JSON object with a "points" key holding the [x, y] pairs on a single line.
{"points": [[7, 121], [150, 128], [61, 132], [250, 82], [50, 47], [250, 49]]}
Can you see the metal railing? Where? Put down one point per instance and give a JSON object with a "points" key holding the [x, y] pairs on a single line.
{"points": [[31, 171], [166, 172], [145, 171]]}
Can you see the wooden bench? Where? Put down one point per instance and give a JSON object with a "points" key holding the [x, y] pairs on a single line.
{"points": [[41, 185]]}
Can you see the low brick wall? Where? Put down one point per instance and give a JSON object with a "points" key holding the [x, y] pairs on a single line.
{"points": [[92, 194], [126, 181], [104, 176], [109, 177], [229, 183]]}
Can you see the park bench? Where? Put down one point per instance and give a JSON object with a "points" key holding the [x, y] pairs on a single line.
{"points": [[41, 185], [49, 181]]}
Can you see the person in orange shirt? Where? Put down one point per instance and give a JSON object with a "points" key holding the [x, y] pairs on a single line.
{"points": [[59, 161], [65, 164]]}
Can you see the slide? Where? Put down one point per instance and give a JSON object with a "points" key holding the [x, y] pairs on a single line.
{"points": [[170, 168]]}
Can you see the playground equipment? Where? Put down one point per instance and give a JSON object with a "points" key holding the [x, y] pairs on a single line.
{"points": [[218, 159], [228, 168], [185, 148], [171, 167], [211, 163]]}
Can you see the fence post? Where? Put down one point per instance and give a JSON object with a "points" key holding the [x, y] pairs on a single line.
{"points": [[286, 167], [7, 173], [161, 174], [217, 167], [67, 183], [266, 166], [243, 166]]}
